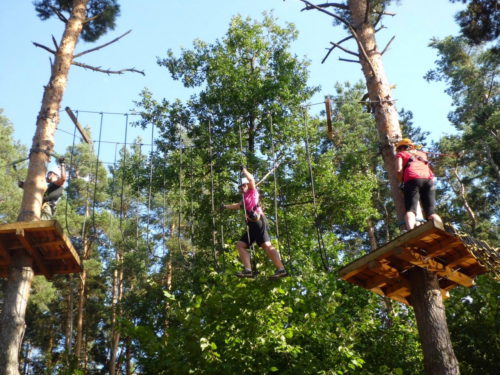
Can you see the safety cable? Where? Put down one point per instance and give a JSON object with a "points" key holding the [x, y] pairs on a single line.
{"points": [[322, 252]]}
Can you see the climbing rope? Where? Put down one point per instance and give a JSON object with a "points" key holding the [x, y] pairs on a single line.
{"points": [[212, 197], [321, 245], [151, 161]]}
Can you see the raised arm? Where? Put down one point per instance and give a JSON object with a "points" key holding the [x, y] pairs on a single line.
{"points": [[62, 178], [249, 176]]}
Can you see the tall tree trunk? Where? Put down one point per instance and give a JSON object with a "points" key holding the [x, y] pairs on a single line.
{"points": [[12, 323], [82, 292], [439, 357], [128, 357], [379, 91], [434, 334], [69, 320], [115, 311], [462, 194]]}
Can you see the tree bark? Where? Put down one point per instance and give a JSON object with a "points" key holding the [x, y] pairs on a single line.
{"points": [[21, 271], [379, 91], [82, 297], [439, 357], [13, 323], [116, 298], [426, 296], [69, 320]]}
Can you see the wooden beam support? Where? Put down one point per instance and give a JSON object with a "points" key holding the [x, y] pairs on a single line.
{"points": [[73, 118], [431, 265], [401, 288], [5, 254], [33, 253], [387, 250]]}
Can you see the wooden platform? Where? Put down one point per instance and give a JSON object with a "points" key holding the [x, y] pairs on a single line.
{"points": [[384, 271], [45, 241]]}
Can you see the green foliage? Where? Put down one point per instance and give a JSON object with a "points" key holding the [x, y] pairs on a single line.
{"points": [[473, 322], [104, 11], [10, 151], [479, 22]]}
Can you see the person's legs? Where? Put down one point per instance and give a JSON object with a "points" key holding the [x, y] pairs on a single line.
{"points": [[46, 213], [428, 196], [412, 197], [244, 255], [273, 254]]}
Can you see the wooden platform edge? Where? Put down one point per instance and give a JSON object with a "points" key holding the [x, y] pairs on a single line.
{"points": [[356, 266], [22, 226]]}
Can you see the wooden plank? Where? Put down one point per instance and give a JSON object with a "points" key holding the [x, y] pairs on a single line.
{"points": [[441, 247], [430, 264], [387, 250], [27, 225], [34, 253], [73, 118], [398, 289]]}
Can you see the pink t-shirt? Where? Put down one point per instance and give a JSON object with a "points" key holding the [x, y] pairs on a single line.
{"points": [[251, 199], [417, 168]]}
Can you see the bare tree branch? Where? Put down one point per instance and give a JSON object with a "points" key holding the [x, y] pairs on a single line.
{"points": [[326, 5], [351, 29], [55, 42], [59, 14], [44, 47], [92, 18], [342, 6], [344, 49], [333, 47], [348, 60], [387, 46], [101, 46], [107, 71]]}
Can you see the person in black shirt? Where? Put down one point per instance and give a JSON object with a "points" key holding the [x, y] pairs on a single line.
{"points": [[53, 192]]}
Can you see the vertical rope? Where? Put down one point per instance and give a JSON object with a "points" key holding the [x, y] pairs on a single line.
{"points": [[97, 173], [212, 197], [112, 195], [69, 177], [191, 209], [271, 125], [287, 235], [124, 165], [180, 200], [250, 246], [321, 249], [151, 161]]}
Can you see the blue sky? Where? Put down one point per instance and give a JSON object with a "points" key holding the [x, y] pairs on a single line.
{"points": [[159, 25]]}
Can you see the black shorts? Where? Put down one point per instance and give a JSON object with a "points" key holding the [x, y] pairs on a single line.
{"points": [[420, 190], [259, 232]]}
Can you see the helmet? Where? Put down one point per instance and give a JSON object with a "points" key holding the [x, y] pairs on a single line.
{"points": [[404, 142], [243, 181]]}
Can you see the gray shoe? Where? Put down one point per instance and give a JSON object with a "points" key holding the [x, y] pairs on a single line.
{"points": [[279, 274], [245, 273]]}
